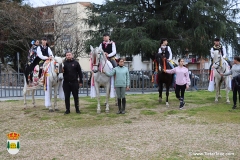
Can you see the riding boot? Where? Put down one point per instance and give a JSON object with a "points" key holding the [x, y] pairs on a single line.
{"points": [[119, 106], [123, 105]]}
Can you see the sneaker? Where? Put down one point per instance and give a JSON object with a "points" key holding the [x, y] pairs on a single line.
{"points": [[78, 112], [182, 103], [234, 107], [67, 112]]}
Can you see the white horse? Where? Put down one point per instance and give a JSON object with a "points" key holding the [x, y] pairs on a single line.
{"points": [[100, 63], [53, 79], [220, 66]]}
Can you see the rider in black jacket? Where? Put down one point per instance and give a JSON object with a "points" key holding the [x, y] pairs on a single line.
{"points": [[72, 74]]}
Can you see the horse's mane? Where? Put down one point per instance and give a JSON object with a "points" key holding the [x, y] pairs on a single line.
{"points": [[58, 59], [159, 59]]}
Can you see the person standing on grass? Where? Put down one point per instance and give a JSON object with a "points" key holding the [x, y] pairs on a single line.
{"points": [[71, 73], [121, 84], [235, 71], [182, 81]]}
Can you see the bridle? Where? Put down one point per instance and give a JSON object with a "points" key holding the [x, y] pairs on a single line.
{"points": [[97, 64], [219, 64], [161, 59]]}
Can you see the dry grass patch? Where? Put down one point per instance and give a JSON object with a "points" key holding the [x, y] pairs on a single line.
{"points": [[148, 130]]}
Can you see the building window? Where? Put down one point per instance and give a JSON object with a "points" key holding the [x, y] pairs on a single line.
{"points": [[67, 24], [66, 10], [66, 38], [128, 59]]}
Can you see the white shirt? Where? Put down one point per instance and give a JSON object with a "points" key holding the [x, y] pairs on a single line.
{"points": [[169, 50], [223, 49], [41, 56], [114, 51]]}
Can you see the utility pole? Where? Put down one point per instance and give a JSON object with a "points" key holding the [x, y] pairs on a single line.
{"points": [[18, 67]]}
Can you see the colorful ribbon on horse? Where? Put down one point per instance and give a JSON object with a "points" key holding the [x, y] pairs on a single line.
{"points": [[164, 64], [211, 75]]}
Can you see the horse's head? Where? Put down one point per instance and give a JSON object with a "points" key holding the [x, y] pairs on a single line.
{"points": [[217, 59], [97, 58], [162, 61]]}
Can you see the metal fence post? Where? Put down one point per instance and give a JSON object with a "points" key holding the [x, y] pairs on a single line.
{"points": [[142, 81]]}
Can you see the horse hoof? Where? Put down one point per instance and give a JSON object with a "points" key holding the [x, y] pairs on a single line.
{"points": [[50, 110], [98, 111], [107, 111], [167, 104], [216, 101], [160, 99], [228, 102], [57, 109]]}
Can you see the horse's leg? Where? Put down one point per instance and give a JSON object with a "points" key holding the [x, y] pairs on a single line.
{"points": [[50, 96], [167, 94], [33, 98], [107, 97], [160, 88], [217, 90], [98, 97], [24, 95], [55, 97]]}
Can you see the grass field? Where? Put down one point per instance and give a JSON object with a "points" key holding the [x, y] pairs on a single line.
{"points": [[149, 130]]}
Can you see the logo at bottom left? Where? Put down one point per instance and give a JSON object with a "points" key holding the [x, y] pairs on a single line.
{"points": [[13, 144]]}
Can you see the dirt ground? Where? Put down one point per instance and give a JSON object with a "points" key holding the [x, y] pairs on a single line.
{"points": [[142, 133]]}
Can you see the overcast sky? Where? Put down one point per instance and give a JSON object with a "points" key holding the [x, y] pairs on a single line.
{"points": [[37, 3]]}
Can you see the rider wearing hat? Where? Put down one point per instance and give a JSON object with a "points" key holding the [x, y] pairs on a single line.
{"points": [[218, 46], [109, 48]]}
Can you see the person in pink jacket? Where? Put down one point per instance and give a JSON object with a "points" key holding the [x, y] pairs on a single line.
{"points": [[182, 81]]}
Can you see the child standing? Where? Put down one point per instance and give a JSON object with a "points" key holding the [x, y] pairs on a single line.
{"points": [[182, 81]]}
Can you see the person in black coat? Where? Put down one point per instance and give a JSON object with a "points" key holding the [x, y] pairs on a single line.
{"points": [[72, 75]]}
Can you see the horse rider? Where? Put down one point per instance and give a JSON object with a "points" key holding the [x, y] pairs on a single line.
{"points": [[218, 46], [109, 49], [31, 56], [43, 53], [166, 51]]}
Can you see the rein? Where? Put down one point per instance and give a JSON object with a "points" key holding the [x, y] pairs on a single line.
{"points": [[219, 65], [101, 54]]}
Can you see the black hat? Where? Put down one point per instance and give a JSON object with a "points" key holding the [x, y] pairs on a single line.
{"points": [[106, 34], [44, 38], [216, 39]]}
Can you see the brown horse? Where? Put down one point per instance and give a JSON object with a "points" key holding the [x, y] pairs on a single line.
{"points": [[163, 78]]}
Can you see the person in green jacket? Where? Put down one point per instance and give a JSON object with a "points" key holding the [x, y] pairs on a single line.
{"points": [[121, 84]]}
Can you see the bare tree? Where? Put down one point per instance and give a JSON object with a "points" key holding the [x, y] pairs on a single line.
{"points": [[63, 27]]}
